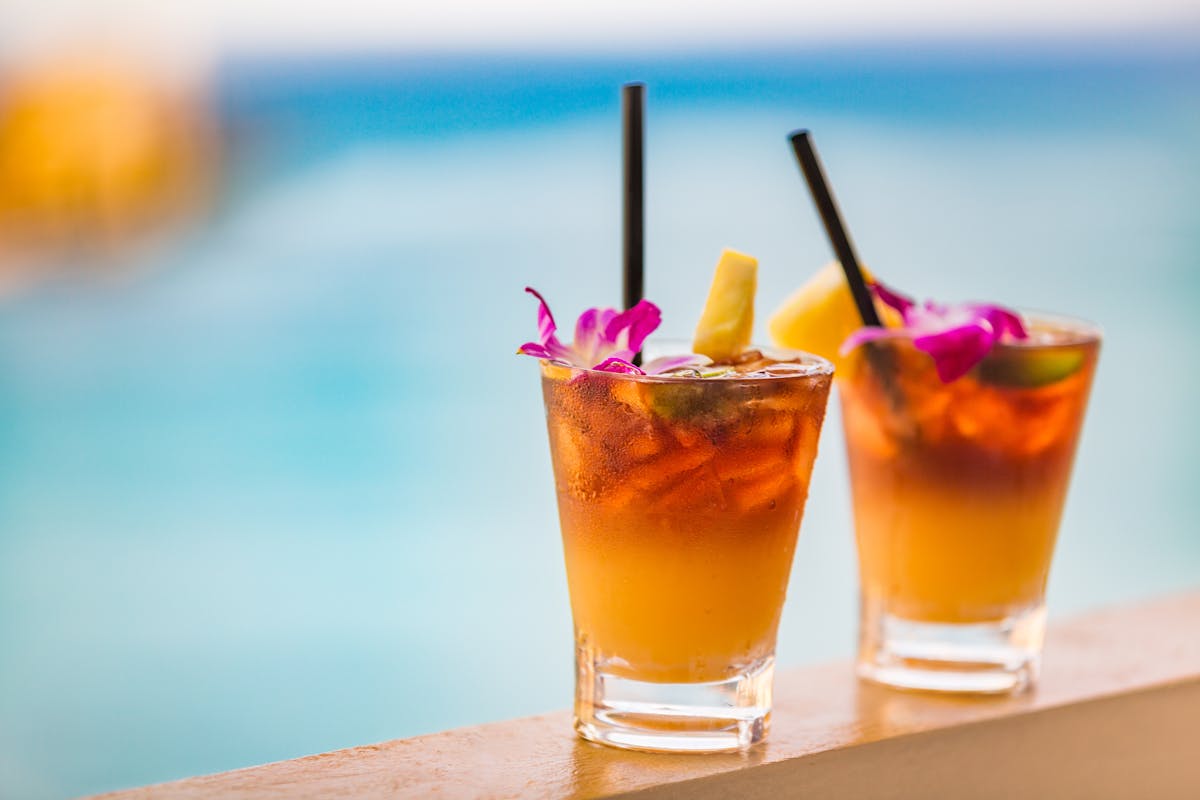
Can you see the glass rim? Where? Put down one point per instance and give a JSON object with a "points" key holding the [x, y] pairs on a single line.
{"points": [[816, 366], [1080, 331]]}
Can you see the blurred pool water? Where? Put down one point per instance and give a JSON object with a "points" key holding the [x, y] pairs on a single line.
{"points": [[283, 487]]}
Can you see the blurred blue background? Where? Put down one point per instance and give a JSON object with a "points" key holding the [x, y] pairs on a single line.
{"points": [[273, 482]]}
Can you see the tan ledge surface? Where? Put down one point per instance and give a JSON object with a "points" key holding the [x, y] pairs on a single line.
{"points": [[1117, 714]]}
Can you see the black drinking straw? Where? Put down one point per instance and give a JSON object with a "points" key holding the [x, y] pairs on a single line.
{"points": [[835, 228], [843, 248], [633, 108]]}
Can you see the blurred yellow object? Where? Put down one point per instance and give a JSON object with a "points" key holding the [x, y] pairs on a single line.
{"points": [[93, 150], [728, 318], [819, 316]]}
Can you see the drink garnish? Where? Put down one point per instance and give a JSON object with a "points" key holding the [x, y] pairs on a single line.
{"points": [[1009, 367], [957, 337], [820, 315], [728, 317], [605, 340]]}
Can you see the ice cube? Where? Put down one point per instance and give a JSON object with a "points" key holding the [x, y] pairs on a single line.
{"points": [[643, 481], [695, 491], [771, 489]]}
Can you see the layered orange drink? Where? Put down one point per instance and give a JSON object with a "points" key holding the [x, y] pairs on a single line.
{"points": [[959, 487], [680, 500], [961, 426], [681, 485]]}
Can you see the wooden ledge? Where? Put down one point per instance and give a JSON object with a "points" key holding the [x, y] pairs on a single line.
{"points": [[1116, 714]]}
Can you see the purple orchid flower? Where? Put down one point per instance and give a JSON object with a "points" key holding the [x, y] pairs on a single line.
{"points": [[605, 340], [957, 337]]}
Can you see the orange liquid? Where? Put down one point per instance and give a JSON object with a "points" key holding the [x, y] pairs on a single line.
{"points": [[680, 502], [958, 488]]}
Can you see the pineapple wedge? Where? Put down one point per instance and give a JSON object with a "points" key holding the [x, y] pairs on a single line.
{"points": [[728, 319], [819, 316]]}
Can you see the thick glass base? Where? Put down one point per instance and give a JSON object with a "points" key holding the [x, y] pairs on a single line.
{"points": [[708, 717], [1000, 657]]}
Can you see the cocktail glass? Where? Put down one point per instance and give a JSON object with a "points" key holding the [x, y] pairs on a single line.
{"points": [[958, 490], [680, 500]]}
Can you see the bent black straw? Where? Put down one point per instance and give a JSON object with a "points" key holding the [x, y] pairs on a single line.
{"points": [[835, 228]]}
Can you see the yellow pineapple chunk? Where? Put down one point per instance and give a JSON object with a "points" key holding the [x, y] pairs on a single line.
{"points": [[819, 316], [728, 318]]}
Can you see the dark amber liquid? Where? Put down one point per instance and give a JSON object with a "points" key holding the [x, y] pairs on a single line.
{"points": [[680, 502], [959, 488]]}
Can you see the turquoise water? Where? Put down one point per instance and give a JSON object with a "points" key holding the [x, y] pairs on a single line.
{"points": [[281, 486]]}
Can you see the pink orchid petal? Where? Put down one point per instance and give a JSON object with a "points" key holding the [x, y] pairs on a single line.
{"points": [[548, 342], [637, 323], [593, 325], [546, 325], [534, 349], [587, 328], [893, 299], [931, 308], [553, 349], [956, 337], [1003, 320], [623, 355], [592, 342], [956, 350], [871, 334], [589, 331], [604, 338], [618, 365], [668, 363]]}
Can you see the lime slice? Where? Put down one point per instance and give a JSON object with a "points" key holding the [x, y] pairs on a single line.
{"points": [[677, 401], [1029, 368]]}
